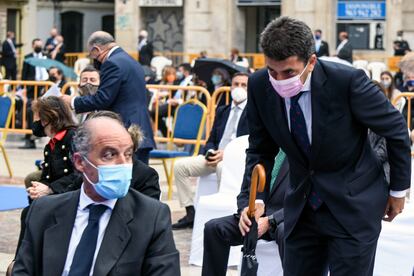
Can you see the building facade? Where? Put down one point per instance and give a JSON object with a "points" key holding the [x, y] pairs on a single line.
{"points": [[219, 25], [216, 26]]}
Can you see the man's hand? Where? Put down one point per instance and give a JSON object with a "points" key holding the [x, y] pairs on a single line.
{"points": [[394, 206], [67, 99], [245, 223], [38, 190], [216, 158], [263, 226]]}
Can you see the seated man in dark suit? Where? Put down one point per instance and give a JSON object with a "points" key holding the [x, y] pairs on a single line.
{"points": [[221, 233], [230, 122], [104, 228]]}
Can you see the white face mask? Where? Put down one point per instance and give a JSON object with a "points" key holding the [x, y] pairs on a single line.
{"points": [[238, 95]]}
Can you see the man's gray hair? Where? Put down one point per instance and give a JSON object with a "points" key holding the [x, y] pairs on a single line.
{"points": [[82, 138], [100, 38]]}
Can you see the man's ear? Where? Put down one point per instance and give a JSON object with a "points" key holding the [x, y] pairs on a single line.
{"points": [[312, 62], [78, 162]]}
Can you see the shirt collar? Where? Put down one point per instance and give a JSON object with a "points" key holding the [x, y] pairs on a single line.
{"points": [[111, 51], [85, 200], [241, 105]]}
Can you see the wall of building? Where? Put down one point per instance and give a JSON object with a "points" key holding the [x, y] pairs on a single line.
{"points": [[92, 17]]}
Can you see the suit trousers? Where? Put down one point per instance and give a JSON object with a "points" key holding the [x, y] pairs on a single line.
{"points": [[188, 167], [219, 235], [319, 243]]}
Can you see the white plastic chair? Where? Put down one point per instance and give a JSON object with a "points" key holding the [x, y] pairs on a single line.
{"points": [[360, 64], [80, 64], [159, 62], [223, 203], [376, 68], [206, 185]]}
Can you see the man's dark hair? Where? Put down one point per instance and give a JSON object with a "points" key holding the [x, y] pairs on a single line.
{"points": [[318, 31], [59, 71], [238, 74], [186, 67], [285, 37], [35, 40], [89, 68]]}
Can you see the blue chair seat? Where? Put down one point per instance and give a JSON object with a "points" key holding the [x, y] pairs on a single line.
{"points": [[168, 154]]}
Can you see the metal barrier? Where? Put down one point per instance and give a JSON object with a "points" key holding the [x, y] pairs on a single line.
{"points": [[69, 85], [256, 60], [188, 92], [12, 88], [215, 99], [407, 96]]}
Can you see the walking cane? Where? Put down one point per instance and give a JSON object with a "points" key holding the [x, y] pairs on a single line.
{"points": [[258, 181]]}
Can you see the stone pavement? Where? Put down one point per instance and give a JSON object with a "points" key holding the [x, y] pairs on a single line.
{"points": [[22, 162]]}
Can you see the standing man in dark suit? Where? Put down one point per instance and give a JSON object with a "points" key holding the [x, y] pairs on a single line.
{"points": [[319, 114], [51, 41], [122, 89], [145, 49], [222, 233], [230, 122], [344, 50], [104, 228], [9, 55], [321, 46]]}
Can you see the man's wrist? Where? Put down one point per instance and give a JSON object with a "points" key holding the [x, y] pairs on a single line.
{"points": [[398, 194]]}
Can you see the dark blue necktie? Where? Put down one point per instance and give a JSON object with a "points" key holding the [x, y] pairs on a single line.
{"points": [[300, 135], [83, 258], [298, 126]]}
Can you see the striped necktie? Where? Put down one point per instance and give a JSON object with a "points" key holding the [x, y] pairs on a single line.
{"points": [[280, 157]]}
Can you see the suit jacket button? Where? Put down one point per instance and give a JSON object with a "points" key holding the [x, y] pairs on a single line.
{"points": [[63, 146], [65, 158], [47, 177], [46, 153], [65, 170], [46, 164]]}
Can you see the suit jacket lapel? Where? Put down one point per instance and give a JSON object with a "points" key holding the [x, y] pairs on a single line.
{"points": [[57, 237], [320, 109], [117, 236], [279, 119]]}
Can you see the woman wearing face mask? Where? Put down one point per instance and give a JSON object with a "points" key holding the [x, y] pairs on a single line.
{"points": [[219, 78], [169, 77], [52, 118], [390, 90]]}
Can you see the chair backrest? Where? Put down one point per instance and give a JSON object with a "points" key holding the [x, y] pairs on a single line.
{"points": [[234, 160], [6, 110], [376, 69], [360, 64], [189, 122]]}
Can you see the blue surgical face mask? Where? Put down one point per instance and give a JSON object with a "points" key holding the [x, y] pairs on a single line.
{"points": [[410, 83], [216, 79], [113, 180], [317, 37]]}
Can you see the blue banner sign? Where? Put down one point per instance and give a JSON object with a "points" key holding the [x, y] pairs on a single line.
{"points": [[361, 10]]}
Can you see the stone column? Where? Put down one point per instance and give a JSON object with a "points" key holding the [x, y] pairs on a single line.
{"points": [[29, 25], [127, 24]]}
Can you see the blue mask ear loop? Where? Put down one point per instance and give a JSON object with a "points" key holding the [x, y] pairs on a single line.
{"points": [[84, 174]]}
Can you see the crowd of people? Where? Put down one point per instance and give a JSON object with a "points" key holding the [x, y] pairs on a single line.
{"points": [[97, 196]]}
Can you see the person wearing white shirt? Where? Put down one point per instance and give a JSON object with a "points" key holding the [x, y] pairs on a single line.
{"points": [[230, 122], [104, 228]]}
